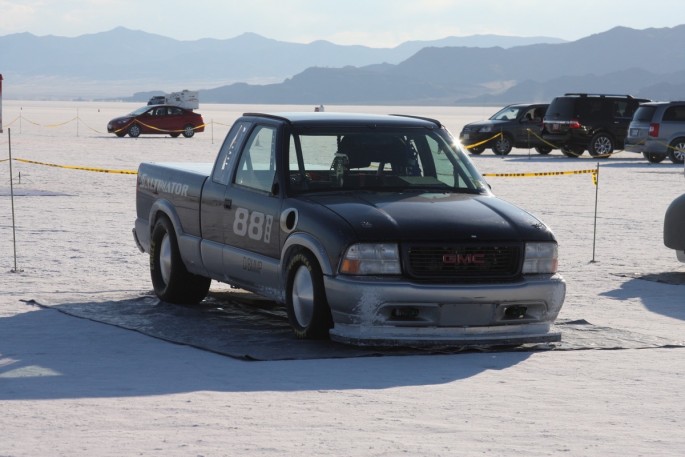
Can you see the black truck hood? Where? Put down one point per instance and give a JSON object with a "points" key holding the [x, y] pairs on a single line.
{"points": [[434, 217]]}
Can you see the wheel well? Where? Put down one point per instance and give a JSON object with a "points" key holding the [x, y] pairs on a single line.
{"points": [[295, 249], [506, 134], [297, 241], [159, 214], [604, 132], [292, 252]]}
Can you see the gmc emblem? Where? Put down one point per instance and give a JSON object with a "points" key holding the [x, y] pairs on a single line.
{"points": [[463, 259]]}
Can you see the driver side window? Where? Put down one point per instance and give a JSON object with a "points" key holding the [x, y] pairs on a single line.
{"points": [[257, 165]]}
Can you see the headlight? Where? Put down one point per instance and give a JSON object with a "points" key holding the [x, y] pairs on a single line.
{"points": [[486, 129], [122, 121], [371, 259], [541, 258]]}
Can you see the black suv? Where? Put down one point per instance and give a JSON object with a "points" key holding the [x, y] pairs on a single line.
{"points": [[519, 126], [596, 122]]}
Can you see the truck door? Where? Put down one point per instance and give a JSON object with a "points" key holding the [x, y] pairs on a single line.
{"points": [[216, 217], [253, 202]]}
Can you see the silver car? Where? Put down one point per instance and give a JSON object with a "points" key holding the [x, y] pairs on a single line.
{"points": [[658, 131]]}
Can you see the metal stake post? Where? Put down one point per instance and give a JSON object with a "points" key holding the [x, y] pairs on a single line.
{"points": [[594, 231], [14, 232]]}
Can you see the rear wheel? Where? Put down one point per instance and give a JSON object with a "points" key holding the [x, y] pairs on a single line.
{"points": [[170, 278], [572, 151], [544, 150], [601, 146], [676, 151], [188, 131], [503, 145], [653, 158], [308, 311]]}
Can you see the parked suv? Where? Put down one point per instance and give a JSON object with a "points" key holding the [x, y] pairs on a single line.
{"points": [[596, 122], [519, 125], [658, 131]]}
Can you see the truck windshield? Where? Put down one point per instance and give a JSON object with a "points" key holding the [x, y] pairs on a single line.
{"points": [[378, 160]]}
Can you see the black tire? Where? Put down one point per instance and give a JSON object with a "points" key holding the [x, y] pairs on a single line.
{"points": [[170, 278], [503, 145], [308, 311], [174, 134], [120, 133], [188, 131], [654, 158], [572, 151], [601, 146], [676, 150], [134, 131], [477, 150], [544, 150]]}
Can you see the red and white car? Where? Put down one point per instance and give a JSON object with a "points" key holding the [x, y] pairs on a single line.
{"points": [[158, 119]]}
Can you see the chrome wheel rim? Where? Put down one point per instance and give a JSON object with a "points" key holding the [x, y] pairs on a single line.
{"points": [[303, 296], [603, 146], [165, 258]]}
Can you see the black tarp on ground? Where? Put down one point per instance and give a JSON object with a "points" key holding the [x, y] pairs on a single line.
{"points": [[243, 326]]}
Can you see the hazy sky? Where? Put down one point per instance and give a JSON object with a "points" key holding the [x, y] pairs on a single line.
{"points": [[376, 23]]}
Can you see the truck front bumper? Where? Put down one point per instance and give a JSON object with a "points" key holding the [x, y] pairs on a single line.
{"points": [[384, 312]]}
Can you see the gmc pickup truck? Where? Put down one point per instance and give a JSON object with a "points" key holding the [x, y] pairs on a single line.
{"points": [[370, 229]]}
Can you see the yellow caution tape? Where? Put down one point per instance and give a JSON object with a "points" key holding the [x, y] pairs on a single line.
{"points": [[594, 174], [598, 156], [165, 130], [91, 128], [73, 167], [475, 145], [544, 173], [47, 125], [13, 121], [60, 124], [553, 146]]}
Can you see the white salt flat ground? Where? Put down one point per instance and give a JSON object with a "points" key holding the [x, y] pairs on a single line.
{"points": [[72, 387]]}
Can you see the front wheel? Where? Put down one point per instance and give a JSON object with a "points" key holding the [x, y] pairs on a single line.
{"points": [[308, 311], [478, 150], [676, 151], [502, 145], [601, 146], [170, 278], [544, 150], [188, 131], [134, 131]]}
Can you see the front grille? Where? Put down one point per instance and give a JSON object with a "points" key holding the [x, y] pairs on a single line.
{"points": [[463, 262]]}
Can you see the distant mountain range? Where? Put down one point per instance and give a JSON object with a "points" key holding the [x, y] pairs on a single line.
{"points": [[478, 70]]}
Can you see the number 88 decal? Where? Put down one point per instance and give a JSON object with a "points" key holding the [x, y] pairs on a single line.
{"points": [[256, 225]]}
